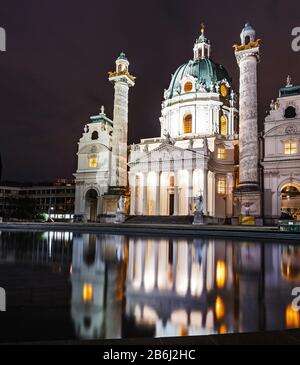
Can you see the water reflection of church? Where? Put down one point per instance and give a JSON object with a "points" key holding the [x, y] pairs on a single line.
{"points": [[163, 287]]}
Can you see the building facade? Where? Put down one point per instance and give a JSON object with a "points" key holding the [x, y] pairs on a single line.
{"points": [[26, 201], [208, 146], [281, 160]]}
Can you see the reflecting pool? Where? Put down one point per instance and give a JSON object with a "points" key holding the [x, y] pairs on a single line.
{"points": [[65, 286]]}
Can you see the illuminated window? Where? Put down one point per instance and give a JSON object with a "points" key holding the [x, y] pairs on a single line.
{"points": [[188, 124], [93, 162], [290, 148], [221, 154], [188, 87], [87, 292], [223, 125], [222, 185]]}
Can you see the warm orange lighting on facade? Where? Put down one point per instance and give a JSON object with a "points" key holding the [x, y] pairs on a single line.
{"points": [[221, 274], [87, 292], [292, 318], [219, 308]]}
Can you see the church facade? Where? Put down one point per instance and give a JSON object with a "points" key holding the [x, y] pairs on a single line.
{"points": [[208, 146]]}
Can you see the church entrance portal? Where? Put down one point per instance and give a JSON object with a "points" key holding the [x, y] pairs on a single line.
{"points": [[91, 205], [290, 201], [171, 206]]}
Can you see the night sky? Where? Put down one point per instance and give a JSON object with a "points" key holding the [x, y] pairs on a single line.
{"points": [[54, 73]]}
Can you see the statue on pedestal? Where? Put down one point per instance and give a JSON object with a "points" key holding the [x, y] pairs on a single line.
{"points": [[198, 215], [122, 204]]}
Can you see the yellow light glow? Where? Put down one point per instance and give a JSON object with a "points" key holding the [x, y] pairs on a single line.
{"points": [[223, 125], [221, 274], [87, 292], [290, 148], [223, 90], [222, 154], [188, 124], [219, 308], [223, 329], [188, 87], [292, 318], [221, 187], [93, 162]]}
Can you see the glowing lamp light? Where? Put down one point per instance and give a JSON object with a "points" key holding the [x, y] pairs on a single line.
{"points": [[87, 292], [221, 274], [219, 308], [292, 318], [223, 329]]}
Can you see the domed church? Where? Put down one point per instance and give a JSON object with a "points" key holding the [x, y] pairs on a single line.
{"points": [[196, 152], [208, 146]]}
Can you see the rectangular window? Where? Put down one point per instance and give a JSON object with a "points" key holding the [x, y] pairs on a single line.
{"points": [[93, 162], [221, 153], [290, 148], [221, 185]]}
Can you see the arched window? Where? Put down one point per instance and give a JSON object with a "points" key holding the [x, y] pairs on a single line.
{"points": [[223, 125], [188, 87], [95, 135], [188, 124], [247, 39], [93, 162], [290, 112]]}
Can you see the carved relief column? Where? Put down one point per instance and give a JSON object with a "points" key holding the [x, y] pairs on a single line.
{"points": [[247, 60]]}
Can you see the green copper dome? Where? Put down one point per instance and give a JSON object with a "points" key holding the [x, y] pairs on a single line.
{"points": [[205, 71]]}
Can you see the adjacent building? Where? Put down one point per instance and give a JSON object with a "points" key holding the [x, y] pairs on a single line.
{"points": [[281, 157]]}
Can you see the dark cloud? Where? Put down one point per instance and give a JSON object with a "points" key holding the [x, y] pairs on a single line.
{"points": [[54, 73]]}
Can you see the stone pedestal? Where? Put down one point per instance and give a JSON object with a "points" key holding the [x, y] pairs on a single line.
{"points": [[110, 204], [248, 207], [199, 219], [120, 218]]}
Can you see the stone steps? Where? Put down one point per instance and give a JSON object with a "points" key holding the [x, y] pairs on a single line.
{"points": [[160, 220]]}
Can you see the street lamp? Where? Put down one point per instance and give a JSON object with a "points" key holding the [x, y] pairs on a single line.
{"points": [[49, 212]]}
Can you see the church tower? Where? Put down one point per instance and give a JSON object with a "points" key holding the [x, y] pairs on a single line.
{"points": [[122, 81], [248, 192]]}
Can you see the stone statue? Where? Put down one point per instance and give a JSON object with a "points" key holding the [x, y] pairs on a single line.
{"points": [[205, 146], [122, 204], [199, 203], [199, 218], [168, 138], [272, 105], [289, 81]]}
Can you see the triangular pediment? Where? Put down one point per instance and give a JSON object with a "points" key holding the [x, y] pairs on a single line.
{"points": [[167, 152]]}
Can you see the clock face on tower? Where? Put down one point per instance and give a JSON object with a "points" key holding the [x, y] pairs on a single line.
{"points": [[224, 90]]}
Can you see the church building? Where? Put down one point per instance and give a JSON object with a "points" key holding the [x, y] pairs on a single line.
{"points": [[208, 146]]}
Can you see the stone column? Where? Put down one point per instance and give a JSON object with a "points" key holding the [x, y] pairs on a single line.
{"points": [[176, 194], [248, 192], [157, 199], [119, 139], [205, 192], [132, 195], [145, 193], [190, 192], [122, 81], [247, 60]]}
